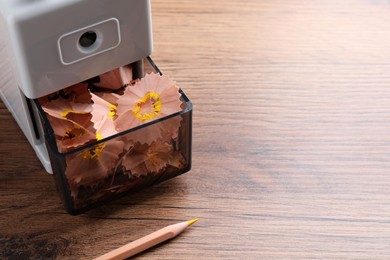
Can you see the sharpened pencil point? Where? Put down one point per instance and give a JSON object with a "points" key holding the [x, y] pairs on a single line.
{"points": [[190, 222]]}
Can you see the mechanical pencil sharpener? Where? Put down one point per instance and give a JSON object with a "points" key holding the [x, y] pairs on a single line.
{"points": [[77, 77]]}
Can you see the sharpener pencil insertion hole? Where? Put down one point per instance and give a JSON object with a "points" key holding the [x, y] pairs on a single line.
{"points": [[87, 39]]}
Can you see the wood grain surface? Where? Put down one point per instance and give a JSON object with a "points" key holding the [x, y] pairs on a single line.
{"points": [[291, 142]]}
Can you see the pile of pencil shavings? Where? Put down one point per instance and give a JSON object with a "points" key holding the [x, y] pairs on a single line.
{"points": [[89, 112]]}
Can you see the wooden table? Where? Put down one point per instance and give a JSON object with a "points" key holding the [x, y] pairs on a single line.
{"points": [[291, 143]]}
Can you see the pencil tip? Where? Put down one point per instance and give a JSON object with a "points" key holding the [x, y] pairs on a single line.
{"points": [[190, 222]]}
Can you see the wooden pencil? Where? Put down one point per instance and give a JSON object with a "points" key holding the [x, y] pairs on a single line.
{"points": [[148, 241]]}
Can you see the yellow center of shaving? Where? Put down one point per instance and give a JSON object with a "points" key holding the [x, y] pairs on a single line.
{"points": [[112, 112], [67, 112], [148, 107], [95, 152], [72, 133]]}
